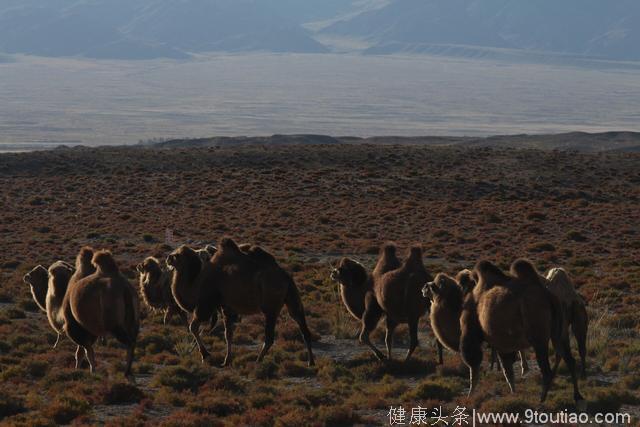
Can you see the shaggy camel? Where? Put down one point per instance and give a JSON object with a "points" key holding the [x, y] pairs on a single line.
{"points": [[356, 288], [237, 282], [397, 296], [48, 287], [447, 296], [100, 304], [513, 312], [155, 289], [558, 282]]}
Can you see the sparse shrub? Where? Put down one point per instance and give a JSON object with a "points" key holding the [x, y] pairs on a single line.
{"points": [[541, 247], [65, 409], [432, 389], [536, 216], [266, 370], [10, 405], [337, 416], [181, 378], [15, 313], [576, 236], [292, 369], [121, 393]]}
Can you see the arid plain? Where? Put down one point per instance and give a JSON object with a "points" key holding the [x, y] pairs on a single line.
{"points": [[310, 205]]}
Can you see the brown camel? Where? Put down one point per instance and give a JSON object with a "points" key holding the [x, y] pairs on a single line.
{"points": [[48, 288], [155, 289], [207, 252], [398, 296], [513, 312], [356, 286], [237, 282], [574, 306], [100, 304], [447, 296]]}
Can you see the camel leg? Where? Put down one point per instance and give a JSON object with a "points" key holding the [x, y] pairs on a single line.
{"points": [[579, 326], [78, 356], [129, 340], [91, 357], [168, 314], [388, 337], [542, 357], [440, 348], [413, 338], [524, 365], [269, 334], [370, 319], [229, 327], [565, 352], [194, 328], [494, 360], [507, 360], [55, 344], [471, 346], [297, 314]]}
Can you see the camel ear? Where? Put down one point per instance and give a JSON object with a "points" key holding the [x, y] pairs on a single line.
{"points": [[27, 278], [139, 268]]}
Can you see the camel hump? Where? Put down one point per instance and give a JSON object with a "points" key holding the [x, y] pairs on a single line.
{"points": [[389, 249], [466, 280], [261, 256], [85, 254], [228, 245], [484, 268], [104, 262], [415, 257], [524, 270]]}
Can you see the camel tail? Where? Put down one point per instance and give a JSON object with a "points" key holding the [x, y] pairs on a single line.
{"points": [[292, 299], [131, 313]]}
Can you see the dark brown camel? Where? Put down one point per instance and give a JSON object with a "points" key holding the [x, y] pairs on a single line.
{"points": [[398, 296], [100, 304], [237, 282], [513, 312], [447, 296], [155, 289]]}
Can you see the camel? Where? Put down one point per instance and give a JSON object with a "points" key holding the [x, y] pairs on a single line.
{"points": [[102, 303], [447, 296], [155, 289], [356, 289], [558, 282], [397, 296], [48, 287], [513, 312], [237, 282]]}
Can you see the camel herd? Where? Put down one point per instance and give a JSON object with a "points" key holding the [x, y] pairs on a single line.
{"points": [[510, 311]]}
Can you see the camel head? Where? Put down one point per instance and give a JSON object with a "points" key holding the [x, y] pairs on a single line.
{"points": [[103, 261], [184, 258], [442, 288], [204, 255], [149, 267], [36, 276], [349, 273]]}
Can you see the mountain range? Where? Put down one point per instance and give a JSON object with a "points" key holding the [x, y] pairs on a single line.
{"points": [[596, 28], [142, 29]]}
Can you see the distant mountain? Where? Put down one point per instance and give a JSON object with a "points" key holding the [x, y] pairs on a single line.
{"points": [[142, 29], [599, 28]]}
